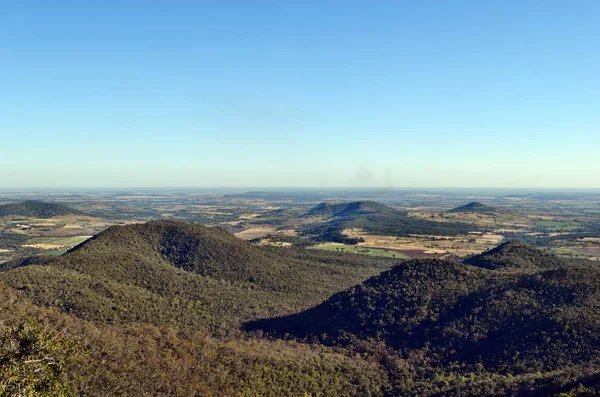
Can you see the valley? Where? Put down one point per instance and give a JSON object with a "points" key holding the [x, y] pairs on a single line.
{"points": [[299, 293], [565, 223], [299, 199]]}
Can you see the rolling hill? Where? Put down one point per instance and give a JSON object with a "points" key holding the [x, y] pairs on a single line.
{"points": [[373, 218], [474, 206], [515, 254], [37, 209], [154, 309], [542, 316], [351, 209], [167, 272]]}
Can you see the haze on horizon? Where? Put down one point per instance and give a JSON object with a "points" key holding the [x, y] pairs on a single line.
{"points": [[319, 94]]}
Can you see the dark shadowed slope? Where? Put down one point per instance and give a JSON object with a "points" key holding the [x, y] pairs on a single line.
{"points": [[27, 261], [388, 306], [460, 313], [37, 209]]}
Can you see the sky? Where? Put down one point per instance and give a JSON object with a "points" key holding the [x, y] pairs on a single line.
{"points": [[300, 93]]}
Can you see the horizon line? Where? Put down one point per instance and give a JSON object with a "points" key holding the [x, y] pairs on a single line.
{"points": [[275, 188]]}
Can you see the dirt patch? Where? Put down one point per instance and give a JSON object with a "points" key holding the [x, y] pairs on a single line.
{"points": [[249, 216], [255, 232], [43, 246], [268, 242], [417, 254], [494, 237]]}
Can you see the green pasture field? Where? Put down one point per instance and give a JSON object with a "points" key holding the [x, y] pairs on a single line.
{"points": [[55, 253]]}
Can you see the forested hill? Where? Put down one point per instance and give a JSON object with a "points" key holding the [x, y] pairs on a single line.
{"points": [[515, 254], [164, 301], [375, 218], [474, 206], [461, 316], [37, 209], [185, 274], [351, 209]]}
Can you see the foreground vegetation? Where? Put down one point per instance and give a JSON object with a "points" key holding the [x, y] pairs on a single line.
{"points": [[533, 314], [168, 308]]}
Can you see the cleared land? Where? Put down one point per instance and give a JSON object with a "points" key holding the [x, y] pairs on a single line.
{"points": [[335, 247], [255, 232], [56, 242], [428, 246]]}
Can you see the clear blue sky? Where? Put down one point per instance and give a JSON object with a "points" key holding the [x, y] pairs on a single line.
{"points": [[300, 93]]}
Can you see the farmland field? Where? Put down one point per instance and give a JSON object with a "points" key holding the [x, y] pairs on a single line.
{"points": [[56, 242], [361, 250], [60, 240]]}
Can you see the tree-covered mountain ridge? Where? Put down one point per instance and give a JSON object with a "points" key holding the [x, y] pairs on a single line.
{"points": [[525, 314], [373, 218], [170, 272], [155, 309], [37, 209]]}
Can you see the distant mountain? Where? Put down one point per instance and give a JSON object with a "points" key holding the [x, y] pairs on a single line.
{"points": [[374, 218], [351, 209], [465, 316], [37, 209], [474, 206], [188, 274]]}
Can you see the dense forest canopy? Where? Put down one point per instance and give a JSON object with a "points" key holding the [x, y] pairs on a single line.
{"points": [[205, 313], [165, 272]]}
